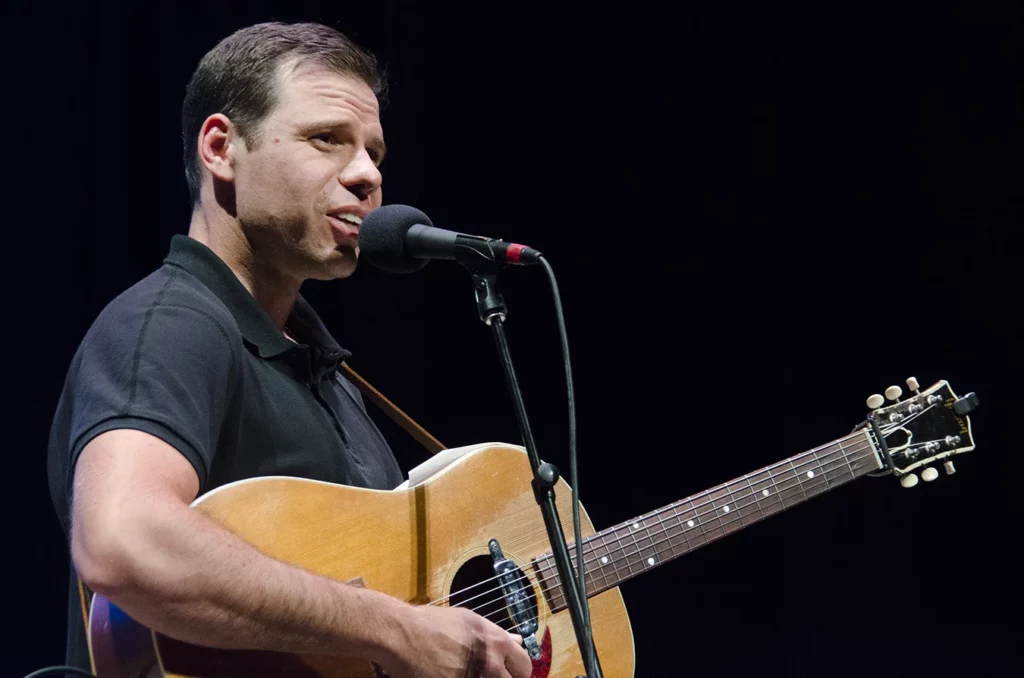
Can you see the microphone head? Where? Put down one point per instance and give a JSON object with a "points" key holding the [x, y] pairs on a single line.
{"points": [[382, 238]]}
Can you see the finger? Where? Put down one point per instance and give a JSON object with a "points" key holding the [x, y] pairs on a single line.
{"points": [[518, 663]]}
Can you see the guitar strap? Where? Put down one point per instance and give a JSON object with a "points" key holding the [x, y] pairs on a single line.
{"points": [[432, 444]]}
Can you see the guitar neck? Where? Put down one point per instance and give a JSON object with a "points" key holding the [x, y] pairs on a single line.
{"points": [[645, 542]]}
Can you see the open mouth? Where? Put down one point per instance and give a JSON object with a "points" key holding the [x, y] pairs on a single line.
{"points": [[346, 232]]}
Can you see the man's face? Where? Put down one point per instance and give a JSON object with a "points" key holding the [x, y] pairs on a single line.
{"points": [[315, 166]]}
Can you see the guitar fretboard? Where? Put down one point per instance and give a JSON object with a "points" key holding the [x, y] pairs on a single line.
{"points": [[635, 546]]}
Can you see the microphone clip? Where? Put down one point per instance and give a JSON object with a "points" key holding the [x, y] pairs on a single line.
{"points": [[489, 302]]}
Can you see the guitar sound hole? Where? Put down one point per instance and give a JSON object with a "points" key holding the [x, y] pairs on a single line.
{"points": [[476, 588]]}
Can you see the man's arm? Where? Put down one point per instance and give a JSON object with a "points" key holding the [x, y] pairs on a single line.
{"points": [[135, 540]]}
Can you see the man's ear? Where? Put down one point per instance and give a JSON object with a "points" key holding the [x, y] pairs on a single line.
{"points": [[218, 140]]}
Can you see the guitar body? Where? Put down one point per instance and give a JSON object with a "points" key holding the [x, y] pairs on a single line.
{"points": [[419, 545]]}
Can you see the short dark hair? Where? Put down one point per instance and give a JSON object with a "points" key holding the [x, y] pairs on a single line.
{"points": [[238, 78]]}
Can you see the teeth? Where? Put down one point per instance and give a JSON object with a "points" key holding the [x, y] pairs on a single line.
{"points": [[351, 218]]}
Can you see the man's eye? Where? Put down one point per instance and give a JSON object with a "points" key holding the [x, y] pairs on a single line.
{"points": [[325, 137]]}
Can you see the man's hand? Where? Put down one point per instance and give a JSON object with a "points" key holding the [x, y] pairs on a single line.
{"points": [[447, 642]]}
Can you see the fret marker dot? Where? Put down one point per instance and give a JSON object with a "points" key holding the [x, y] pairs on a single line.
{"points": [[810, 474], [690, 523], [764, 492], [650, 561], [726, 508], [636, 526], [604, 560]]}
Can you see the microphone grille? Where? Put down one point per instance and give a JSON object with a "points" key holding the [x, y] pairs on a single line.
{"points": [[382, 238]]}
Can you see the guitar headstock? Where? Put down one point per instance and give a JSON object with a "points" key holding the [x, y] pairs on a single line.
{"points": [[928, 426]]}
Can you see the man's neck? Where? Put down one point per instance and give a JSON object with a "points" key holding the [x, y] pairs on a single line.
{"points": [[275, 293]]}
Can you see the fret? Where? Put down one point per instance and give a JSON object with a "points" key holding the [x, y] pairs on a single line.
{"points": [[548, 578], [698, 524], [746, 504], [609, 549], [755, 498], [650, 526], [631, 554], [627, 548], [813, 479], [862, 460], [836, 470], [602, 560], [711, 513], [766, 492], [614, 554], [846, 460], [593, 568], [731, 518], [799, 482], [675, 533], [779, 499]]}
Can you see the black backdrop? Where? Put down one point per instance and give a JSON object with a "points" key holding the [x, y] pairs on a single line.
{"points": [[759, 215]]}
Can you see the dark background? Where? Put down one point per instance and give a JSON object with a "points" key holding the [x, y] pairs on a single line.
{"points": [[759, 215]]}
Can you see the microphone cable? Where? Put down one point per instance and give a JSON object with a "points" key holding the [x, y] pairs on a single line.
{"points": [[573, 477]]}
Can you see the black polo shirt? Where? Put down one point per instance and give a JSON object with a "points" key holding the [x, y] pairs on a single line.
{"points": [[189, 356]]}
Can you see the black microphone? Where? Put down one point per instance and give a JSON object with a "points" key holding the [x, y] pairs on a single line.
{"points": [[402, 239]]}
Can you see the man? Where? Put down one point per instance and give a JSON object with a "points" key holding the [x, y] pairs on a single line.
{"points": [[213, 369]]}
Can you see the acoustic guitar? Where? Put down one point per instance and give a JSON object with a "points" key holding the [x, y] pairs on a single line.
{"points": [[472, 536]]}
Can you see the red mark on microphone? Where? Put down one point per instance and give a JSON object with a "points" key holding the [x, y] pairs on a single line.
{"points": [[513, 253]]}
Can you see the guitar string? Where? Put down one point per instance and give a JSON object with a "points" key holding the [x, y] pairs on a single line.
{"points": [[764, 508], [558, 588], [779, 492], [724, 533], [612, 538], [674, 504], [592, 557], [821, 460], [865, 444]]}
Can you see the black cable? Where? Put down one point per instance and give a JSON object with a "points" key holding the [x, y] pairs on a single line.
{"points": [[60, 669], [573, 479]]}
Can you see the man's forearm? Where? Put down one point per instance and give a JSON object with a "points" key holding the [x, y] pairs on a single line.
{"points": [[190, 579]]}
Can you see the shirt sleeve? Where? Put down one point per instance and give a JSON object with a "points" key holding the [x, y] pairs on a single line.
{"points": [[167, 370]]}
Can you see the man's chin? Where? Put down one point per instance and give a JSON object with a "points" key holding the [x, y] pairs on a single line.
{"points": [[343, 262]]}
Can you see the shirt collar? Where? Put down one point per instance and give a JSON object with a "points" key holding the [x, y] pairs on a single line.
{"points": [[255, 325]]}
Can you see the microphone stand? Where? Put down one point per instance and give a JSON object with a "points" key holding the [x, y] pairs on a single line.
{"points": [[492, 311]]}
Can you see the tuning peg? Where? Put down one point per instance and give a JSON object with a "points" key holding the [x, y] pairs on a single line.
{"points": [[893, 392], [875, 401], [913, 385], [929, 474], [950, 469], [909, 480]]}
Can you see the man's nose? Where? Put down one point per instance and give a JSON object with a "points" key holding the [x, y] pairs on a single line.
{"points": [[361, 176]]}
